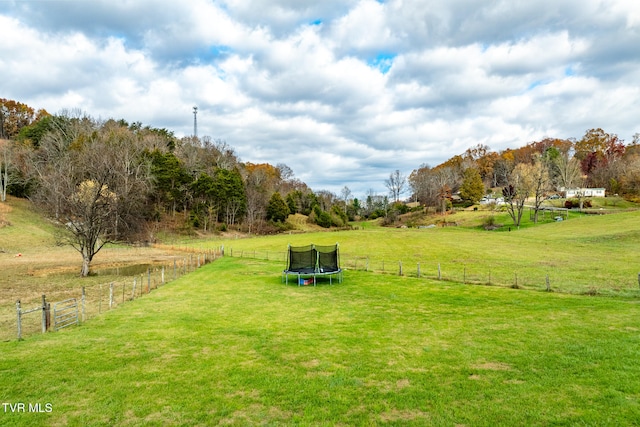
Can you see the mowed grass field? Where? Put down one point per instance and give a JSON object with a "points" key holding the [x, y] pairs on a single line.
{"points": [[231, 345], [593, 254]]}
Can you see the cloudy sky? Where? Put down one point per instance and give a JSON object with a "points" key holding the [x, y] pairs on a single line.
{"points": [[342, 91]]}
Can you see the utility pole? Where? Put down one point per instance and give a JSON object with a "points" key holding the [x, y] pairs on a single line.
{"points": [[195, 122]]}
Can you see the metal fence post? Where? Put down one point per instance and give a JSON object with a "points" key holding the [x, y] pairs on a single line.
{"points": [[19, 311], [84, 299], [44, 313]]}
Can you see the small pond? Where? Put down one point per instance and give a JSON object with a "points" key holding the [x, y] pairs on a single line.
{"points": [[124, 270]]}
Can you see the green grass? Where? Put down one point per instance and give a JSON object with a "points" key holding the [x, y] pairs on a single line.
{"points": [[592, 254], [46, 268], [230, 344]]}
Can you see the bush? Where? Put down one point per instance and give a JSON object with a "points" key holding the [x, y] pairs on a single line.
{"points": [[320, 217], [489, 223], [575, 203]]}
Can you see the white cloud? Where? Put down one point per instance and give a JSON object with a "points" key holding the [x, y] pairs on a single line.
{"points": [[344, 92]]}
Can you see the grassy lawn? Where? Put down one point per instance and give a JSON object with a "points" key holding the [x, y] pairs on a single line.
{"points": [[229, 344], [592, 254]]}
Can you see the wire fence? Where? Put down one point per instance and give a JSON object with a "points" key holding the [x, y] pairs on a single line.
{"points": [[525, 276], [45, 313]]}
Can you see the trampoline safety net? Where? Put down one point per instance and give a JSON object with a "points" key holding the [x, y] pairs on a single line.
{"points": [[312, 261]]}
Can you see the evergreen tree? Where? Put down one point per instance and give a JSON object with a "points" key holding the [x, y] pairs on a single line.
{"points": [[277, 209], [472, 188]]}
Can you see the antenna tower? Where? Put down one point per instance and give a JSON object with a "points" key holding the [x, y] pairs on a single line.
{"points": [[195, 121]]}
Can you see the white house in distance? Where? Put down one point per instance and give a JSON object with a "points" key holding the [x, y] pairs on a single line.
{"points": [[582, 192]]}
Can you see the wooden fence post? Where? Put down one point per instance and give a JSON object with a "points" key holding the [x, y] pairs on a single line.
{"points": [[439, 272], [148, 280], [19, 312], [174, 269], [84, 300], [548, 283], [110, 295], [418, 270], [100, 299], [162, 275], [400, 264], [133, 291]]}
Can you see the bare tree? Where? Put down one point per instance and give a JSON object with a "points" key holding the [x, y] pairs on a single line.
{"points": [[346, 194], [567, 171], [517, 191], [95, 188], [4, 168], [396, 184], [541, 184]]}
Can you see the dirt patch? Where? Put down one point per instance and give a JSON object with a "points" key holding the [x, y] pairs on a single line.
{"points": [[493, 366], [311, 364], [396, 415], [404, 383]]}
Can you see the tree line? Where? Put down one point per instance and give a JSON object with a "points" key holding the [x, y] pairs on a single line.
{"points": [[109, 180], [533, 172]]}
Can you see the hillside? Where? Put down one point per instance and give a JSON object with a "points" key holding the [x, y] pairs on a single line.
{"points": [[585, 254]]}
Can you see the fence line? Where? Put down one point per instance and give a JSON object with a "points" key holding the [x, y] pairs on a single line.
{"points": [[91, 301], [524, 277]]}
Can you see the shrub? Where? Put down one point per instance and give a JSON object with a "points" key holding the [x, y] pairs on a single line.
{"points": [[489, 223]]}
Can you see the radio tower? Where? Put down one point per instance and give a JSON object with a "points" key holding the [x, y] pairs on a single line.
{"points": [[195, 121]]}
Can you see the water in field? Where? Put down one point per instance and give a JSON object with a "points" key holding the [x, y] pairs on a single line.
{"points": [[126, 270]]}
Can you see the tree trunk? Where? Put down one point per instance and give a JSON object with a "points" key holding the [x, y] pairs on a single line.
{"points": [[86, 264]]}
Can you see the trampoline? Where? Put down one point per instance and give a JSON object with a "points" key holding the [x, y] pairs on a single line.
{"points": [[312, 261]]}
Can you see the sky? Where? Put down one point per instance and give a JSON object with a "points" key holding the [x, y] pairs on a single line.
{"points": [[344, 92]]}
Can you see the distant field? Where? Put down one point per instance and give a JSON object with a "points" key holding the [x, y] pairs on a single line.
{"points": [[231, 345], [593, 254]]}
